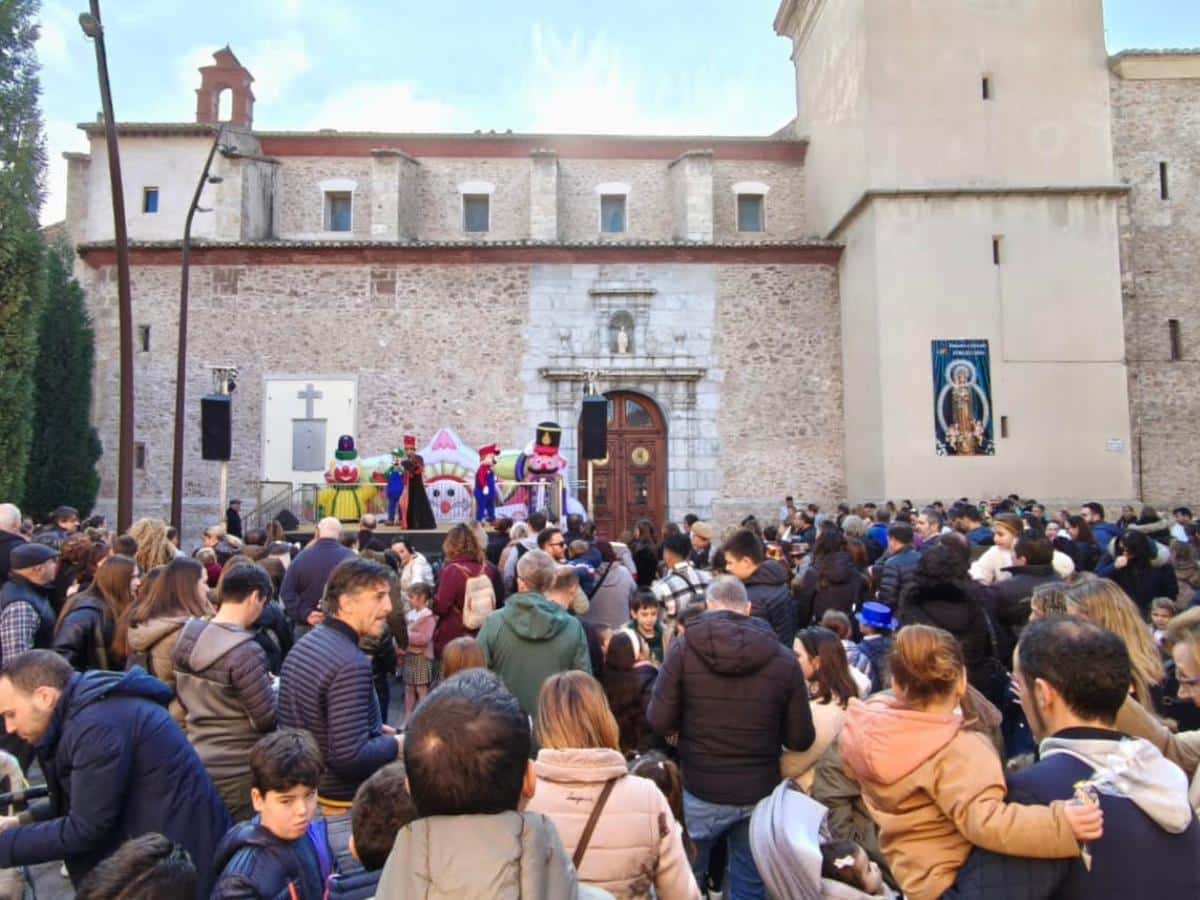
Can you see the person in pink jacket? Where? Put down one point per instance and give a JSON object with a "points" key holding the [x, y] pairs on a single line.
{"points": [[418, 656], [636, 844]]}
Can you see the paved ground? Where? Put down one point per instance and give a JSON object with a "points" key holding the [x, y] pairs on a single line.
{"points": [[48, 880]]}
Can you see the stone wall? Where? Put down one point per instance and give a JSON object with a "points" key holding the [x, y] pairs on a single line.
{"points": [[784, 211], [777, 335], [490, 350], [440, 215], [302, 203], [1158, 121], [647, 207]]}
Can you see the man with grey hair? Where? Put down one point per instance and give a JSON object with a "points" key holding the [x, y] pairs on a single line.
{"points": [[734, 695], [10, 536], [304, 582], [531, 637], [927, 525]]}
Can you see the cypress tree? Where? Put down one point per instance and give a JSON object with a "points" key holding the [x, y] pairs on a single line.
{"points": [[22, 180], [65, 448]]}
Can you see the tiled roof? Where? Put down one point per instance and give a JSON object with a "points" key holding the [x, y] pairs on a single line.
{"points": [[474, 245]]}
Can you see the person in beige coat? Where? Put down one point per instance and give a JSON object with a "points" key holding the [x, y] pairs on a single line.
{"points": [[636, 845], [831, 686], [153, 623]]}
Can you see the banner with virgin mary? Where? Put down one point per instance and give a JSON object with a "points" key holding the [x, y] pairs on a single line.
{"points": [[962, 393]]}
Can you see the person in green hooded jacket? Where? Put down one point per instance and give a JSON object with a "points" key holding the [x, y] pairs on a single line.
{"points": [[531, 637]]}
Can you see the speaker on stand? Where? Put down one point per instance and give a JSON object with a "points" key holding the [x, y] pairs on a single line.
{"points": [[216, 437]]}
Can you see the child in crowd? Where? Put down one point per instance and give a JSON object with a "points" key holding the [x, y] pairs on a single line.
{"points": [[284, 849], [461, 653], [628, 680], [848, 863], [877, 625], [937, 789], [665, 773], [646, 622], [207, 557], [839, 623], [1161, 612], [382, 806], [418, 657]]}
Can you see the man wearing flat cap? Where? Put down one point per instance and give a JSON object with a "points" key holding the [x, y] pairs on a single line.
{"points": [[26, 617]]}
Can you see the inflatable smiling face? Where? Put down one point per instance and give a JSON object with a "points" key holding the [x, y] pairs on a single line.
{"points": [[451, 500], [345, 473]]}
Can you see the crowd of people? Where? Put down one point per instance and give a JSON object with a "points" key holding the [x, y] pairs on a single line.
{"points": [[953, 700]]}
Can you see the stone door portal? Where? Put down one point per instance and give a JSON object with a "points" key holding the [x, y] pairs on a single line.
{"points": [[631, 483]]}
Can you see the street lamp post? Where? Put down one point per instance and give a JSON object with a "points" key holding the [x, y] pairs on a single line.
{"points": [[90, 23], [181, 352]]}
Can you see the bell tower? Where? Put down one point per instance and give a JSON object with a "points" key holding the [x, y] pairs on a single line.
{"points": [[227, 74]]}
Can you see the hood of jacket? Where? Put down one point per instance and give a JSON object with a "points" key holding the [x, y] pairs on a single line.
{"points": [[1134, 769], [836, 568], [506, 856], [730, 643], [770, 572], [949, 605], [86, 688], [146, 634], [580, 765], [1046, 571], [534, 618], [883, 741], [214, 640]]}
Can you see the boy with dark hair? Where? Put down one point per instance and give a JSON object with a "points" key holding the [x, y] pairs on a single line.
{"points": [[284, 849], [767, 583], [382, 806], [647, 623]]}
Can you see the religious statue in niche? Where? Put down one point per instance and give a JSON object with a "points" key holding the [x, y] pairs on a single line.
{"points": [[621, 339]]}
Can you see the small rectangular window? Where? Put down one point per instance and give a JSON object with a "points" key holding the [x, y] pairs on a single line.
{"points": [[144, 338], [1004, 426], [150, 200], [996, 251], [338, 210], [1176, 340], [139, 456], [1164, 189], [987, 88], [476, 212], [612, 213], [750, 212]]}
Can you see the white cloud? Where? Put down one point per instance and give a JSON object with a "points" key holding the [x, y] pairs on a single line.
{"points": [[59, 34], [276, 64], [386, 106]]}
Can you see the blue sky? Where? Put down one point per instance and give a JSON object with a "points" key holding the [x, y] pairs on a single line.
{"points": [[627, 66]]}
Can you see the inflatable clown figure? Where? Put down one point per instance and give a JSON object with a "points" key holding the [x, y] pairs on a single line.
{"points": [[450, 466], [347, 497]]}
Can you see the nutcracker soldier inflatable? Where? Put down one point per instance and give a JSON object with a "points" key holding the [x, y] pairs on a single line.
{"points": [[395, 485], [545, 465], [485, 484]]}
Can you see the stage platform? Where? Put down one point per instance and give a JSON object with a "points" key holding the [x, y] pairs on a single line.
{"points": [[427, 542]]}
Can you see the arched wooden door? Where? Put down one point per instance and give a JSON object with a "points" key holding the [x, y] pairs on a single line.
{"points": [[631, 483]]}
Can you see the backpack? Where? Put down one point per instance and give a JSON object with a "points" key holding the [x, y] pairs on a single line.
{"points": [[479, 599]]}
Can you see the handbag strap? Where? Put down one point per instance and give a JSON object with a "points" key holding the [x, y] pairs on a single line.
{"points": [[586, 837]]}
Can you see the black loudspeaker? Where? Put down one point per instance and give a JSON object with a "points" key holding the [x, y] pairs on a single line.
{"points": [[215, 427], [593, 428]]}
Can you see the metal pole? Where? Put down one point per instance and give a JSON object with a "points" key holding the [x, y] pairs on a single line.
{"points": [[591, 513], [181, 349], [223, 493], [124, 298]]}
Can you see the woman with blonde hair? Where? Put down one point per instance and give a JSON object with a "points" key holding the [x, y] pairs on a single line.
{"points": [[154, 548], [1103, 602], [582, 780], [179, 592]]}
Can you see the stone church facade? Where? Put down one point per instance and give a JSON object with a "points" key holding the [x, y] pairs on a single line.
{"points": [[764, 304]]}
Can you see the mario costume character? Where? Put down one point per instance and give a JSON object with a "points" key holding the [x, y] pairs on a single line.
{"points": [[395, 484], [485, 484], [415, 511]]}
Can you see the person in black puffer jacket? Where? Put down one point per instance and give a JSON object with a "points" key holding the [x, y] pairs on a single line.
{"points": [[735, 697], [831, 582], [766, 582], [944, 597]]}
